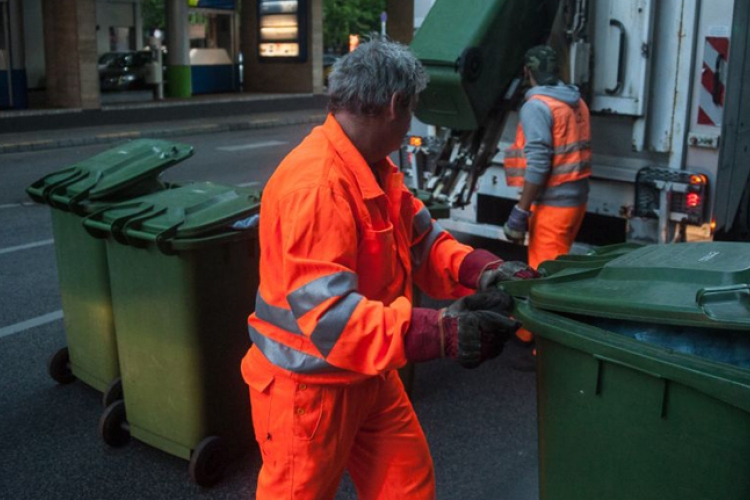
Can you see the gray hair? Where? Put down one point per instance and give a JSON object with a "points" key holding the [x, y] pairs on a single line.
{"points": [[363, 81]]}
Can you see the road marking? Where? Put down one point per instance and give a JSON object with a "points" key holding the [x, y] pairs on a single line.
{"points": [[16, 205], [26, 247], [30, 323], [255, 145], [248, 184]]}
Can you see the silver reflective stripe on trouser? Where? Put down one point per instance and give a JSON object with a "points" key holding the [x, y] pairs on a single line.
{"points": [[420, 252], [329, 328]]}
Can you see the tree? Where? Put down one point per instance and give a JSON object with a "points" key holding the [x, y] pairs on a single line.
{"points": [[344, 17], [154, 16]]}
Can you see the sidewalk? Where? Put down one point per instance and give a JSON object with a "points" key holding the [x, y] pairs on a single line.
{"points": [[34, 130]]}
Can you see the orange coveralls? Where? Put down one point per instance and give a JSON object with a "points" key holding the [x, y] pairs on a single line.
{"points": [[337, 257]]}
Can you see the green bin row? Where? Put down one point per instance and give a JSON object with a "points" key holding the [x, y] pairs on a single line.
{"points": [[129, 170], [163, 314], [643, 372]]}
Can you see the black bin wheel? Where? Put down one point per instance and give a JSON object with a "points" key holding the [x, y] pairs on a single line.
{"points": [[112, 393], [208, 462], [113, 427], [59, 367]]}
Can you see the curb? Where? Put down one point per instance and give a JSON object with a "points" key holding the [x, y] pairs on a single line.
{"points": [[210, 128]]}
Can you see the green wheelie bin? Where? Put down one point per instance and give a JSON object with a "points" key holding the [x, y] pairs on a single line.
{"points": [[184, 279], [643, 374], [128, 170], [472, 52]]}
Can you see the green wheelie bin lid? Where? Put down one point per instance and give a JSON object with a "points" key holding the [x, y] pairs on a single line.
{"points": [[178, 219], [690, 284], [472, 52], [128, 170]]}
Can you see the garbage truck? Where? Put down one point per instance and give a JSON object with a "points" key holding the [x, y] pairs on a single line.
{"points": [[664, 81]]}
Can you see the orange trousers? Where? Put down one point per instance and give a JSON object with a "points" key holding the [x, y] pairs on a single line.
{"points": [[552, 231], [309, 434]]}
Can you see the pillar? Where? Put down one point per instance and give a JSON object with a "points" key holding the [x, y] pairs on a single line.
{"points": [[70, 53], [18, 84], [400, 24], [138, 25], [178, 79], [287, 76]]}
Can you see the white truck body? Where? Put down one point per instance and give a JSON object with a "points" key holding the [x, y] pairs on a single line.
{"points": [[653, 73]]}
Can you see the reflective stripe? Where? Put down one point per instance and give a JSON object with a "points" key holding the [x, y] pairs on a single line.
{"points": [[421, 251], [328, 330], [288, 358], [515, 171], [309, 296], [572, 148], [422, 222], [579, 166], [278, 317], [514, 153]]}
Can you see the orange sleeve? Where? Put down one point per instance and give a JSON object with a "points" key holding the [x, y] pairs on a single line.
{"points": [[436, 256]]}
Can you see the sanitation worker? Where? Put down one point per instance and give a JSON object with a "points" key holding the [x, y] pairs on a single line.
{"points": [[342, 240], [550, 161]]}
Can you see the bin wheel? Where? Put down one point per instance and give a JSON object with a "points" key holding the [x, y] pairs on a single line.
{"points": [[59, 367], [208, 462], [112, 393], [113, 428]]}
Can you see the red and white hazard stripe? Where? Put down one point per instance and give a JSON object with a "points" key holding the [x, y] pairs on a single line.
{"points": [[713, 80]]}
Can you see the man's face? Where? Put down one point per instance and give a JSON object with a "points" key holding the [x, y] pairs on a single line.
{"points": [[402, 123]]}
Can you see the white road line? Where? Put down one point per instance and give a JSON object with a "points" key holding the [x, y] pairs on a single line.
{"points": [[26, 247], [30, 323], [16, 205], [248, 184], [255, 145]]}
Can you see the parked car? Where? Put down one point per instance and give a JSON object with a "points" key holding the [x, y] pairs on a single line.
{"points": [[124, 70]]}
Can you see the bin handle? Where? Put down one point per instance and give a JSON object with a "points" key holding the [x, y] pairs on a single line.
{"points": [[99, 229], [620, 58], [39, 190], [730, 294]]}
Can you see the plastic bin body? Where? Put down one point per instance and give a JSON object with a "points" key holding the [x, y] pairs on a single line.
{"points": [[472, 51], [86, 301], [127, 170], [622, 418], [181, 334], [183, 283]]}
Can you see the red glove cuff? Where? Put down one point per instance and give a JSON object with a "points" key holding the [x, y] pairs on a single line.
{"points": [[474, 264], [424, 340]]}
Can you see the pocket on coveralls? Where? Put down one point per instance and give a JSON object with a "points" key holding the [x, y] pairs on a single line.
{"points": [[310, 402], [377, 260], [260, 405]]}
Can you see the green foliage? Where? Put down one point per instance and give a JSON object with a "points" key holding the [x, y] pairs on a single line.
{"points": [[344, 17], [154, 15]]}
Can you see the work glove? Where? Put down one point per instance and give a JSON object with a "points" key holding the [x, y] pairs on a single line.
{"points": [[505, 271], [517, 224], [471, 330], [483, 270]]}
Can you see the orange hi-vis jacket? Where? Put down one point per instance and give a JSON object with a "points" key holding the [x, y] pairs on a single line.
{"points": [[337, 256], [571, 145]]}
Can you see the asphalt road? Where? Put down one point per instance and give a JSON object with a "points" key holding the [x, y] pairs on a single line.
{"points": [[480, 423]]}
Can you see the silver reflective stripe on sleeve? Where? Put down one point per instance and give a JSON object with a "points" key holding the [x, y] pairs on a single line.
{"points": [[281, 318], [422, 222], [309, 296], [287, 358], [328, 330], [332, 323], [420, 252]]}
